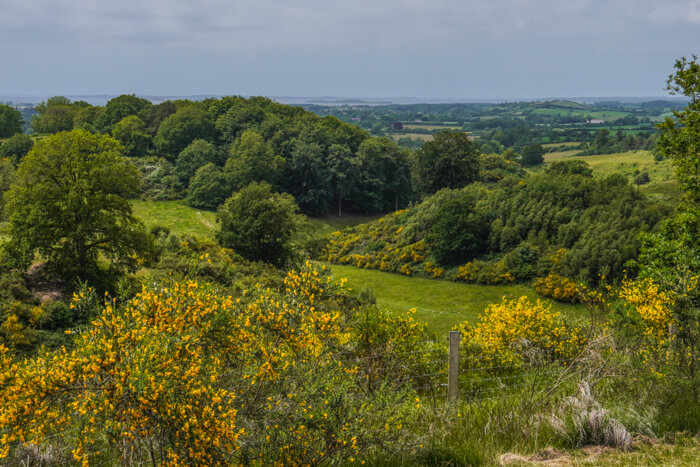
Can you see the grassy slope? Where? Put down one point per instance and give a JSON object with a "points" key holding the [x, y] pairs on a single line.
{"points": [[322, 226], [441, 304], [663, 184], [176, 216], [183, 219]]}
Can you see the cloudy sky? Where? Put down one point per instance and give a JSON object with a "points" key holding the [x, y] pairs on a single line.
{"points": [[353, 48]]}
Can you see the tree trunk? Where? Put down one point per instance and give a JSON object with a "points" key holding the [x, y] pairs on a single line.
{"points": [[340, 206]]}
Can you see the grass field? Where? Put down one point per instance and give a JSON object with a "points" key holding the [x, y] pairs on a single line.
{"points": [[662, 185], [185, 220], [430, 126], [556, 145], [176, 216], [441, 304], [398, 136], [606, 115]]}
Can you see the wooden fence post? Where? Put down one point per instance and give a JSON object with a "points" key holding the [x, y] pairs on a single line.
{"points": [[453, 370]]}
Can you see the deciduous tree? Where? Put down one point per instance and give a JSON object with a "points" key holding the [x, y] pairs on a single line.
{"points": [[70, 205], [259, 224], [10, 121], [450, 160]]}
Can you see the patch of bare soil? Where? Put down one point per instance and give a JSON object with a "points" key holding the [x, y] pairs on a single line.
{"points": [[44, 289], [553, 457]]}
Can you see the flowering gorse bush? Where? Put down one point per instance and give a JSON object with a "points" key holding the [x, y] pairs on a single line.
{"points": [[558, 287], [508, 332], [184, 375]]}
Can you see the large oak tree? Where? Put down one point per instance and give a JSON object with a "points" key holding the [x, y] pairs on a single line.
{"points": [[70, 205]]}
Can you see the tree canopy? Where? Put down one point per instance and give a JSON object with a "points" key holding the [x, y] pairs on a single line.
{"points": [[10, 121], [450, 160], [680, 138], [16, 147], [258, 224], [69, 204]]}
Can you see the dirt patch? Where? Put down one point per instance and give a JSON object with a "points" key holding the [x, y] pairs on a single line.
{"points": [[549, 456], [41, 287]]}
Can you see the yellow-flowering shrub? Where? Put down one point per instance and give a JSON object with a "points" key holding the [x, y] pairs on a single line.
{"points": [[653, 305], [485, 273], [508, 330], [558, 287], [182, 375]]}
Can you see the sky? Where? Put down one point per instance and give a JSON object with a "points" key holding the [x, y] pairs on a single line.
{"points": [[437, 49]]}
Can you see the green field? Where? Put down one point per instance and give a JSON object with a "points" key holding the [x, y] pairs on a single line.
{"points": [[185, 220], [421, 136], [556, 145], [176, 216], [606, 115], [662, 185], [430, 126], [441, 304]]}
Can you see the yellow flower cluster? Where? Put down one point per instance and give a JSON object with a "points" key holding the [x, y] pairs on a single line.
{"points": [[506, 331], [653, 305], [382, 247], [183, 375], [558, 287], [485, 273]]}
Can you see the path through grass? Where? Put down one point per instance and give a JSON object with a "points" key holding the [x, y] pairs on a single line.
{"points": [[441, 304]]}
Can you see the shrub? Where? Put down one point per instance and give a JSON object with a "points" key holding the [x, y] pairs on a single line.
{"points": [[259, 225], [182, 375], [558, 287], [509, 332]]}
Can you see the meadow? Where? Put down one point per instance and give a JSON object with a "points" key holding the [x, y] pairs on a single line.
{"points": [[662, 184], [421, 136], [176, 216], [442, 304]]}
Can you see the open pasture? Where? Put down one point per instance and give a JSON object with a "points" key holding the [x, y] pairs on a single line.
{"points": [[441, 304]]}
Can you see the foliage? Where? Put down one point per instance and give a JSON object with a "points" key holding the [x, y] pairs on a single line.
{"points": [[194, 156], [494, 168], [459, 231], [69, 205], [262, 376], [559, 288], [532, 155], [512, 230], [131, 134], [259, 225], [450, 160], [10, 121], [252, 160], [679, 138], [158, 179], [385, 175], [514, 331], [16, 147], [121, 107], [209, 187], [55, 115], [178, 130]]}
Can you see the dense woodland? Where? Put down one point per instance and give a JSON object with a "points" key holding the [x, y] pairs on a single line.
{"points": [[122, 344]]}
